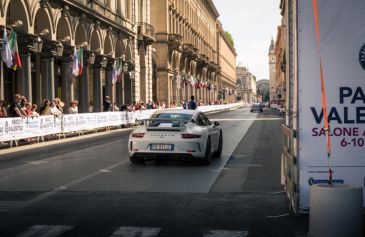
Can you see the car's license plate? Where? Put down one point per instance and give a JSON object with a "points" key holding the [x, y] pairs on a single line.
{"points": [[162, 147]]}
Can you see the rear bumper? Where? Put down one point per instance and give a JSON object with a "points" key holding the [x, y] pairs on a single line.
{"points": [[163, 156], [182, 149]]}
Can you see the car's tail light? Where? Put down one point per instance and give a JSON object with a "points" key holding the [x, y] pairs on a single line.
{"points": [[138, 135], [189, 136]]}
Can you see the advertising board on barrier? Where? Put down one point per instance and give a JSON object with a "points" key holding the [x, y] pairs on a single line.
{"points": [[20, 128], [13, 129], [50, 125], [32, 127], [69, 123], [342, 38]]}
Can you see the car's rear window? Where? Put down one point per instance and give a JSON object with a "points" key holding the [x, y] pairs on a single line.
{"points": [[174, 122], [174, 116]]}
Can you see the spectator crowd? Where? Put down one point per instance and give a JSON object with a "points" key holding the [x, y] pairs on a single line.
{"points": [[21, 107]]}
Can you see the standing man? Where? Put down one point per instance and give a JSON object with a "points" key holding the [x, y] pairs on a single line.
{"points": [[192, 104], [106, 104]]}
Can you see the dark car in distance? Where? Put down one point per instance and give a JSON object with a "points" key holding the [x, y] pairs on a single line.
{"points": [[257, 107]]}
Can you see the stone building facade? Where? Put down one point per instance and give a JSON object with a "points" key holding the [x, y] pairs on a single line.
{"points": [[186, 58], [227, 65], [246, 85], [48, 32], [263, 90], [280, 67]]}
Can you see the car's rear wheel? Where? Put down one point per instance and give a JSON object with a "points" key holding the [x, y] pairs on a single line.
{"points": [[218, 153], [208, 153], [137, 160]]}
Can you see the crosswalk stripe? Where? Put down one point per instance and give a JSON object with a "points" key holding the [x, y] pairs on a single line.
{"points": [[226, 233], [136, 232], [45, 231]]}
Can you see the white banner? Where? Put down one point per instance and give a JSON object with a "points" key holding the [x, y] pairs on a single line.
{"points": [[32, 127], [69, 123], [14, 129], [50, 125], [20, 128], [342, 33]]}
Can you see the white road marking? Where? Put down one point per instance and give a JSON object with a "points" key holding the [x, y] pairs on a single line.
{"points": [[105, 171], [279, 216], [136, 232], [45, 231], [234, 155], [226, 233], [63, 187], [40, 162]]}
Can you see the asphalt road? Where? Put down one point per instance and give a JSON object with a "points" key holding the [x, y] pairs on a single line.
{"points": [[88, 187]]}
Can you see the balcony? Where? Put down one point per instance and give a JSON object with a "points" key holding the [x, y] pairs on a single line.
{"points": [[146, 32], [174, 41], [188, 49]]}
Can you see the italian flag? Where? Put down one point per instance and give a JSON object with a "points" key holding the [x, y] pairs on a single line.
{"points": [[81, 61], [14, 50], [120, 71]]}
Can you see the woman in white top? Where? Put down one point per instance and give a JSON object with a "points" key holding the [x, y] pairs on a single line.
{"points": [[53, 110], [73, 108]]}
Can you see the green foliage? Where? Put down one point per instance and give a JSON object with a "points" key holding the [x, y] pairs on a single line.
{"points": [[229, 38]]}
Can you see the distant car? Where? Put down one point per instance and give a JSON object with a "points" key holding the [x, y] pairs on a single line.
{"points": [[257, 107], [176, 134]]}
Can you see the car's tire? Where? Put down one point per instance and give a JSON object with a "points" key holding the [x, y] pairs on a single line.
{"points": [[208, 153], [136, 160], [218, 153]]}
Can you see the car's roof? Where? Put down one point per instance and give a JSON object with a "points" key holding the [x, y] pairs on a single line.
{"points": [[176, 111]]}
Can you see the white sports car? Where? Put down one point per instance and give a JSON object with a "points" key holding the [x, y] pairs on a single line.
{"points": [[176, 134]]}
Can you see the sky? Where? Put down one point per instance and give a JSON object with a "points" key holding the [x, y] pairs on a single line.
{"points": [[252, 24]]}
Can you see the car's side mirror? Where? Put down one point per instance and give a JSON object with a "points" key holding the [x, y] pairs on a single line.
{"points": [[192, 120], [216, 123]]}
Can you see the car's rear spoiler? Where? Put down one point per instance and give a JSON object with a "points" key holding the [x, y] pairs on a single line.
{"points": [[181, 127]]}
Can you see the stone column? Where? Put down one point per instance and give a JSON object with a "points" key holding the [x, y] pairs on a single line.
{"points": [[24, 77], [67, 84], [84, 88], [109, 87], [97, 87], [119, 91], [2, 92], [47, 76]]}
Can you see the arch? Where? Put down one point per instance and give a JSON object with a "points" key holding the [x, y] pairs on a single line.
{"points": [[63, 30], [95, 42], [108, 45], [18, 10], [80, 35], [43, 21], [128, 53], [119, 49]]}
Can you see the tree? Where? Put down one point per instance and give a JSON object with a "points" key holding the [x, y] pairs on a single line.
{"points": [[229, 38]]}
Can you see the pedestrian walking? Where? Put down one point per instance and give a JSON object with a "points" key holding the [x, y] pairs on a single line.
{"points": [[192, 105]]}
